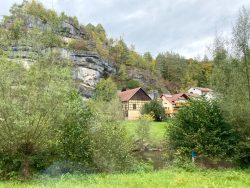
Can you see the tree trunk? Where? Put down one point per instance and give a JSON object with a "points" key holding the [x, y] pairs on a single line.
{"points": [[25, 168]]}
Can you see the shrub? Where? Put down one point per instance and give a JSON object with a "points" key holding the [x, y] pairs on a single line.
{"points": [[32, 106], [110, 143], [143, 129], [106, 90], [155, 109], [78, 44], [111, 148], [72, 135], [131, 84], [201, 127]]}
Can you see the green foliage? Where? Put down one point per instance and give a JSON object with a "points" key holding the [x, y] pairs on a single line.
{"points": [[201, 126], [148, 57], [155, 109], [37, 9], [122, 73], [78, 44], [173, 178], [110, 143], [111, 148], [231, 78], [17, 30], [31, 105], [131, 84], [143, 129], [171, 66], [106, 90], [75, 125], [196, 74]]}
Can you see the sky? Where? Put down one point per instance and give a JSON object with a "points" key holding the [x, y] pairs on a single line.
{"points": [[187, 27]]}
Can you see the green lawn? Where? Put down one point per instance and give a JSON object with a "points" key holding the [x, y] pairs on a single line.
{"points": [[157, 130], [175, 178]]}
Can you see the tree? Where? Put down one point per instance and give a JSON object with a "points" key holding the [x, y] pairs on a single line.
{"points": [[202, 128], [230, 78], [105, 90], [143, 129], [32, 102], [131, 84], [155, 109], [122, 73], [241, 33], [148, 57], [171, 66], [111, 145], [72, 135]]}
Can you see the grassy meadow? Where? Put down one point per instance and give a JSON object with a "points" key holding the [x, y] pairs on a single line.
{"points": [[157, 130], [165, 178]]}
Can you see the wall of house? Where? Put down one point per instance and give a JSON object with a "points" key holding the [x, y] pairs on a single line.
{"points": [[134, 109], [167, 105]]}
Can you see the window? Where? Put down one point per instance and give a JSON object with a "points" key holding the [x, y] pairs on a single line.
{"points": [[134, 106]]}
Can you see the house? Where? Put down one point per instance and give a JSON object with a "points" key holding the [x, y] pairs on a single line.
{"points": [[133, 101], [173, 103], [202, 92]]}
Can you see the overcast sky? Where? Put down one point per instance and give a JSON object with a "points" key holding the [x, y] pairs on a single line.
{"points": [[183, 26]]}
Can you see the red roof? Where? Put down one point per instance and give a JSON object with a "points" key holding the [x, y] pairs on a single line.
{"points": [[127, 95], [173, 98]]}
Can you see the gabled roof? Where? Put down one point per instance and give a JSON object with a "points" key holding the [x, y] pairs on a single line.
{"points": [[128, 94], [175, 97]]}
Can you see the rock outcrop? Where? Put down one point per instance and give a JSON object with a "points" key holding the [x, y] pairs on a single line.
{"points": [[89, 67]]}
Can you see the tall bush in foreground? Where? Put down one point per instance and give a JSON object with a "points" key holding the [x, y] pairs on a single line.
{"points": [[202, 128], [32, 103], [72, 134], [110, 142]]}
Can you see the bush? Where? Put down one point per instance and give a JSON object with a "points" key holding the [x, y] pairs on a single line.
{"points": [[143, 129], [78, 44], [111, 148], [201, 127], [111, 145], [131, 84], [72, 135], [106, 90], [155, 109]]}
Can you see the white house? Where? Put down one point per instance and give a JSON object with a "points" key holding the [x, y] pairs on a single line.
{"points": [[202, 92]]}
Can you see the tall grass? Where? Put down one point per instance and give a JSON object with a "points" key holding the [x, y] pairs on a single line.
{"points": [[167, 178]]}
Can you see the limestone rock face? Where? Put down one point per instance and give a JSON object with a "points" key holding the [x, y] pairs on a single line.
{"points": [[88, 67]]}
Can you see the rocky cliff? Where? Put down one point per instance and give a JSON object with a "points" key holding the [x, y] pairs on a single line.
{"points": [[88, 66]]}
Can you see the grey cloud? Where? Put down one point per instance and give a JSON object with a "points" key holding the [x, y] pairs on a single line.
{"points": [[184, 26]]}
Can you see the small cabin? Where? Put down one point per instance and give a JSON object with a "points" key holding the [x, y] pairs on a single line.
{"points": [[132, 102]]}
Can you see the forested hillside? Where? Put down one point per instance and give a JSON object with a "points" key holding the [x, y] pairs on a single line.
{"points": [[32, 30]]}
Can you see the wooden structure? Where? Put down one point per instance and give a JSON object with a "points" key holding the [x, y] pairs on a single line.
{"points": [[133, 101], [173, 103]]}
